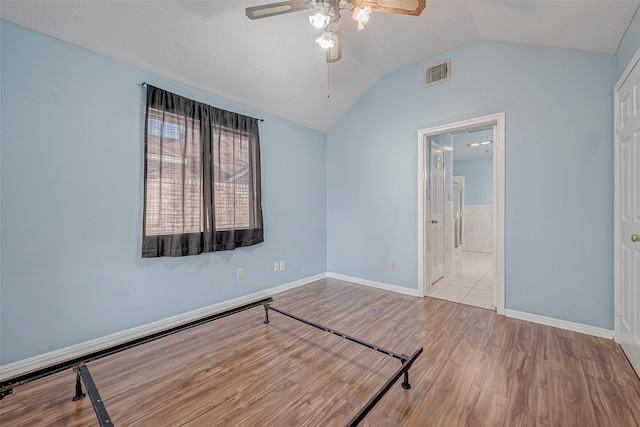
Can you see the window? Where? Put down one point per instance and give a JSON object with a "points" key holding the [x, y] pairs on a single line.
{"points": [[202, 178]]}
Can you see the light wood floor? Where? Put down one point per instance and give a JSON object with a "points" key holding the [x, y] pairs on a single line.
{"points": [[477, 369]]}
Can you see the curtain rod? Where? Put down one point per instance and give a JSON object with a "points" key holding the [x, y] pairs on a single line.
{"points": [[261, 120]]}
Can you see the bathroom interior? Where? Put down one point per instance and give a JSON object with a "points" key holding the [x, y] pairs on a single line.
{"points": [[468, 218]]}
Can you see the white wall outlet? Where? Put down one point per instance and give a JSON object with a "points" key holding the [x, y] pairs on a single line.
{"points": [[282, 265], [393, 265], [239, 274], [276, 266]]}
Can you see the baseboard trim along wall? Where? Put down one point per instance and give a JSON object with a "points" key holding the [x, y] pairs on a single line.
{"points": [[521, 315], [562, 324], [57, 356], [379, 285]]}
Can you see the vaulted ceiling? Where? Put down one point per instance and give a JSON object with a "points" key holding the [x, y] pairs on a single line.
{"points": [[274, 65]]}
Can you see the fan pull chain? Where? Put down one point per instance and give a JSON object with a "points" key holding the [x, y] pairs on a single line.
{"points": [[328, 82]]}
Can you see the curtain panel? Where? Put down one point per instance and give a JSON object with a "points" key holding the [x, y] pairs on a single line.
{"points": [[202, 189]]}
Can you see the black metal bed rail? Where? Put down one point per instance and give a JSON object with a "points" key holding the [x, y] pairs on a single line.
{"points": [[83, 375], [384, 389], [82, 371], [6, 386], [406, 361], [401, 357]]}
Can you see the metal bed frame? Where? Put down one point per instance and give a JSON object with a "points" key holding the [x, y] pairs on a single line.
{"points": [[79, 364], [406, 361]]}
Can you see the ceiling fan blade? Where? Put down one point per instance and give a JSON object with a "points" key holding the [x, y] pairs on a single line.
{"points": [[273, 9], [403, 7], [334, 54]]}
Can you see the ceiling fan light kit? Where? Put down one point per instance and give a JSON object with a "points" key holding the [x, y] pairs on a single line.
{"points": [[319, 19], [361, 16], [325, 40], [326, 16]]}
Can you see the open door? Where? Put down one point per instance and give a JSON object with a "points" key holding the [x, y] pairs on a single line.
{"points": [[436, 189], [627, 213]]}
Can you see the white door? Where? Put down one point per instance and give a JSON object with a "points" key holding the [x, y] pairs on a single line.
{"points": [[627, 221], [437, 209]]}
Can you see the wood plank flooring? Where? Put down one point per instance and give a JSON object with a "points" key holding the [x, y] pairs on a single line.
{"points": [[477, 369]]}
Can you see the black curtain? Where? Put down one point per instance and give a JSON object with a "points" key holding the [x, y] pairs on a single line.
{"points": [[202, 178]]}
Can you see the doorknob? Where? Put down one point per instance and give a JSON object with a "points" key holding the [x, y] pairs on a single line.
{"points": [[435, 221], [635, 238]]}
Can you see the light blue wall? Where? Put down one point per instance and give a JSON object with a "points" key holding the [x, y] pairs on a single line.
{"points": [[70, 266], [478, 181], [627, 47], [559, 173], [71, 203]]}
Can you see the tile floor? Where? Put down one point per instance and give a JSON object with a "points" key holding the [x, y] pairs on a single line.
{"points": [[471, 282]]}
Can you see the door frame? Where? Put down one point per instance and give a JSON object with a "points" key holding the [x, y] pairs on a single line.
{"points": [[617, 265], [424, 252]]}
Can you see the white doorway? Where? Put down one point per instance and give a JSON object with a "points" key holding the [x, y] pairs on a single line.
{"points": [[426, 250], [627, 212]]}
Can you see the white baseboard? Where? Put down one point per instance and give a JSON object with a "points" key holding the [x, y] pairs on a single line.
{"points": [[57, 356], [562, 324], [379, 285]]}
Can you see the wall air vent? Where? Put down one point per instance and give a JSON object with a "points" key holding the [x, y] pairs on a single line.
{"points": [[437, 73]]}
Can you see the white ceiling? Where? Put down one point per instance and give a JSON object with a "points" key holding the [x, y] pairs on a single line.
{"points": [[274, 65]]}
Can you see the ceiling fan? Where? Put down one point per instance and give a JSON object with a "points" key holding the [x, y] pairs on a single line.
{"points": [[326, 16]]}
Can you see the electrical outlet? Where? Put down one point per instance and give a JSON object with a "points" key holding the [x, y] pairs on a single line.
{"points": [[393, 265], [282, 265], [239, 274], [276, 266]]}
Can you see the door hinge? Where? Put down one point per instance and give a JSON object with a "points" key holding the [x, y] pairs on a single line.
{"points": [[617, 129]]}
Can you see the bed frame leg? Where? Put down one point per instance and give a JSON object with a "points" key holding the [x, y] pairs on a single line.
{"points": [[266, 314], [405, 383], [79, 394]]}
